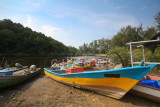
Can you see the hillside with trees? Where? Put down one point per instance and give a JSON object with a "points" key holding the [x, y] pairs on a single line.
{"points": [[125, 35], [17, 40]]}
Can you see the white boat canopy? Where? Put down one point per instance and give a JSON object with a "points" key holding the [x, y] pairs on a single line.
{"points": [[151, 44]]}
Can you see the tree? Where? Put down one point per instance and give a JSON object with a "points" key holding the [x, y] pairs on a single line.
{"points": [[17, 40], [128, 34], [104, 45], [157, 19], [149, 33], [123, 52], [95, 47]]}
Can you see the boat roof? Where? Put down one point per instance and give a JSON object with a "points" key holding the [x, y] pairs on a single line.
{"points": [[7, 70], [151, 44], [154, 40]]}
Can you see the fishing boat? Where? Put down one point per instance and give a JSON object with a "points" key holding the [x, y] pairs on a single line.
{"points": [[148, 87], [13, 75], [113, 83], [85, 63], [63, 65]]}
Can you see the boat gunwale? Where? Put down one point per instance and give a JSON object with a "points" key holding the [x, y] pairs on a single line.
{"points": [[100, 71], [148, 87], [5, 76], [14, 70]]}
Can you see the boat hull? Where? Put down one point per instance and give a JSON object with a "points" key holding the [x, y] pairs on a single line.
{"points": [[148, 92], [112, 83], [7, 81], [97, 85]]}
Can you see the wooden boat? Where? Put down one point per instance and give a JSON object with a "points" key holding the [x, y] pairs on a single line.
{"points": [[150, 91], [101, 61], [84, 64], [14, 75], [139, 89], [113, 83], [63, 67], [81, 65], [11, 70]]}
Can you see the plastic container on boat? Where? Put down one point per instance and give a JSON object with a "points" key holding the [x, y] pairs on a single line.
{"points": [[80, 63], [151, 83], [93, 63], [158, 83], [74, 70]]}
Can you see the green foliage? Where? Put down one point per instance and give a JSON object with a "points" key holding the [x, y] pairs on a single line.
{"points": [[157, 19], [155, 57], [124, 54], [149, 33], [100, 46], [73, 51], [104, 45], [17, 40], [127, 34], [138, 55]]}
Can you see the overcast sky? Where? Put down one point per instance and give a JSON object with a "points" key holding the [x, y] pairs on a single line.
{"points": [[74, 22]]}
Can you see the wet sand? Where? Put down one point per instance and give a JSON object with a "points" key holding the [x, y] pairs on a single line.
{"points": [[45, 92]]}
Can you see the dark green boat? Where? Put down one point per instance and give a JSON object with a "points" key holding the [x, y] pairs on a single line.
{"points": [[17, 76]]}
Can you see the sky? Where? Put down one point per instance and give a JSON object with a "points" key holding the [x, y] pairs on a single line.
{"points": [[74, 22]]}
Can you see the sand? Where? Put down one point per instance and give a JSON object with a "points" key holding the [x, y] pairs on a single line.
{"points": [[45, 92]]}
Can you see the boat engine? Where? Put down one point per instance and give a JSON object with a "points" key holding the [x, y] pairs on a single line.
{"points": [[32, 68], [18, 65], [55, 66]]}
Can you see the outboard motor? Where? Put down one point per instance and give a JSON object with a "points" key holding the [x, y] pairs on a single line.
{"points": [[32, 68], [55, 67], [18, 65]]}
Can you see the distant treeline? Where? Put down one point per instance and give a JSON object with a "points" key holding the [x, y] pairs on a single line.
{"points": [[17, 40], [125, 35]]}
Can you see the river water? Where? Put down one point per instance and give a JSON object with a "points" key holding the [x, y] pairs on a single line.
{"points": [[40, 62]]}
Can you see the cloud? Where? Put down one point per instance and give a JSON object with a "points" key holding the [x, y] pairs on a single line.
{"points": [[56, 33], [33, 2], [112, 20], [61, 35], [118, 7], [143, 7], [28, 22], [88, 16], [36, 4], [50, 30], [31, 22], [59, 12]]}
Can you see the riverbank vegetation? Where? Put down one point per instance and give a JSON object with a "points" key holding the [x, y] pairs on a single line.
{"points": [[17, 40]]}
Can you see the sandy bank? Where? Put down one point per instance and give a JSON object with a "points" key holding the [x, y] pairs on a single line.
{"points": [[46, 92]]}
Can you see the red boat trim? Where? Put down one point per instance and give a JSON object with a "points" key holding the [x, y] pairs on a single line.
{"points": [[149, 87]]}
